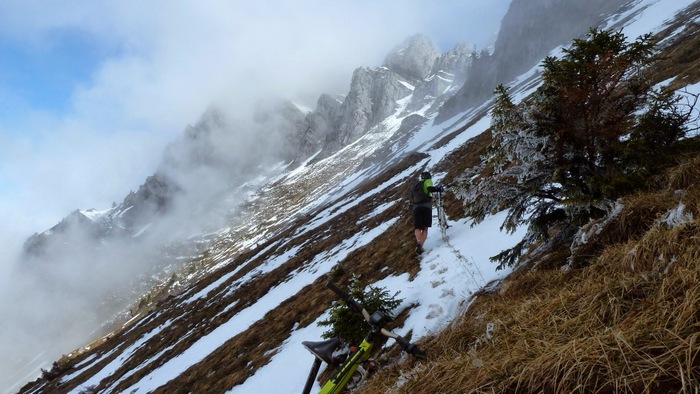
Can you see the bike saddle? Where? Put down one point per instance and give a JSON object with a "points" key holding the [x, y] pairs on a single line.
{"points": [[323, 349]]}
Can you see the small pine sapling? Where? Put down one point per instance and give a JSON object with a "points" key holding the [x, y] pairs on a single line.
{"points": [[349, 325]]}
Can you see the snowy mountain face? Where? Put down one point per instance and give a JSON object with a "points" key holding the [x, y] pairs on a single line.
{"points": [[234, 309], [449, 71], [374, 95], [529, 31], [122, 220]]}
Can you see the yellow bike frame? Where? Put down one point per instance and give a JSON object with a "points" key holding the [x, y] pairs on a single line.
{"points": [[341, 378], [377, 321]]}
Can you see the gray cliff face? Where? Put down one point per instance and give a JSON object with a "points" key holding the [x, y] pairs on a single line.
{"points": [[532, 28], [319, 124], [374, 93], [224, 144], [413, 59], [529, 30], [282, 121], [457, 62], [372, 97], [449, 71]]}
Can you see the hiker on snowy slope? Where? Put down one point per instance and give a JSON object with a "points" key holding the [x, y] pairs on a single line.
{"points": [[422, 199]]}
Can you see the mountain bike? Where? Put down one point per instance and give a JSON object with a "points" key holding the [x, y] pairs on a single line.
{"points": [[442, 218], [324, 350]]}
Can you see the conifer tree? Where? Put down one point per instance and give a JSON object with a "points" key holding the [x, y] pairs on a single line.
{"points": [[583, 139], [349, 325]]}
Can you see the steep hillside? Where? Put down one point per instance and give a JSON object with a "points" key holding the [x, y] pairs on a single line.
{"points": [[234, 318], [622, 319]]}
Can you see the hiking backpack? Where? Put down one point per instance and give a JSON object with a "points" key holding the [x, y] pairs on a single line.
{"points": [[417, 194]]}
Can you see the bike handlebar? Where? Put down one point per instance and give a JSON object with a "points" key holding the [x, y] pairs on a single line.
{"points": [[409, 347], [406, 345], [346, 297]]}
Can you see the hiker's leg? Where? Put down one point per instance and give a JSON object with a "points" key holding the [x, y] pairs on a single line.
{"points": [[423, 236]]}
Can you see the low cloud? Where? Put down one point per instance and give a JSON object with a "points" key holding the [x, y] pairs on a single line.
{"points": [[161, 64]]}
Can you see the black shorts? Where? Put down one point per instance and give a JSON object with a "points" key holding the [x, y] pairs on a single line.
{"points": [[422, 217]]}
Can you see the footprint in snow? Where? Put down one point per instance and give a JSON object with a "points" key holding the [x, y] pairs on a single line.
{"points": [[435, 311]]}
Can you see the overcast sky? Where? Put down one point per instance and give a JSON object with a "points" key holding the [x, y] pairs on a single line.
{"points": [[92, 91]]}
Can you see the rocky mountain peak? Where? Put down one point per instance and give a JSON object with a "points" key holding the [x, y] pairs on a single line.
{"points": [[448, 73], [319, 123], [413, 59], [456, 61], [373, 96]]}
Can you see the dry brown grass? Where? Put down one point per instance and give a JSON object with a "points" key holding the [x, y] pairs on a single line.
{"points": [[638, 216], [685, 176], [627, 322], [682, 56]]}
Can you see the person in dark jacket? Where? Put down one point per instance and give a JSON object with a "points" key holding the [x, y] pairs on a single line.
{"points": [[423, 211]]}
